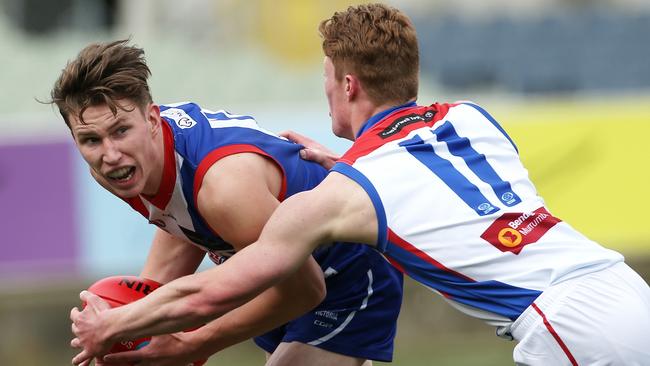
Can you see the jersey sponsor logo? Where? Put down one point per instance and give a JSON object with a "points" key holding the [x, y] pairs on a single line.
{"points": [[218, 249], [323, 324], [509, 237], [217, 258], [486, 208], [182, 119], [403, 121], [210, 243], [514, 230], [509, 198], [328, 314]]}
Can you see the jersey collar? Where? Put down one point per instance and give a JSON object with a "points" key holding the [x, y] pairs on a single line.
{"points": [[379, 116]]}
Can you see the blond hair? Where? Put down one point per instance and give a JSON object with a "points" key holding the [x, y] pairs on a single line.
{"points": [[378, 44]]}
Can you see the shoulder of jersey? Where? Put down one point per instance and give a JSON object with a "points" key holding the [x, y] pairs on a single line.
{"points": [[184, 115], [188, 115]]}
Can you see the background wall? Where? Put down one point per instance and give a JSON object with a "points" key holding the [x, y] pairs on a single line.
{"points": [[568, 80]]}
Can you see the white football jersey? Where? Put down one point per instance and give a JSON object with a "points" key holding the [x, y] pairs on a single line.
{"points": [[458, 213]]}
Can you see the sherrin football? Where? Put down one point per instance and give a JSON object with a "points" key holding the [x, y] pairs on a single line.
{"points": [[120, 290]]}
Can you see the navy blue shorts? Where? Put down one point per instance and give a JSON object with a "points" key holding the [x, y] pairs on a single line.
{"points": [[358, 316]]}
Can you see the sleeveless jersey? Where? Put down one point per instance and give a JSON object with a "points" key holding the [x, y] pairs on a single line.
{"points": [[196, 138], [458, 213]]}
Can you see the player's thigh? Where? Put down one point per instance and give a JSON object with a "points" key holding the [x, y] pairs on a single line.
{"points": [[603, 319], [300, 354]]}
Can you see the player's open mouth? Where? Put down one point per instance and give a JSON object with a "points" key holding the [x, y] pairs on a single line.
{"points": [[122, 174]]}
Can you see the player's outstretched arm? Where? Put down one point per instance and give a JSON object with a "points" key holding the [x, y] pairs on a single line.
{"points": [[187, 302]]}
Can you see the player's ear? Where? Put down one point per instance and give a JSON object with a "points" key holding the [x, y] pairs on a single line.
{"points": [[152, 115], [352, 85]]}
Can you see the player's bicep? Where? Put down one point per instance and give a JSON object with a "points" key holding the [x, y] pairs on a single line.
{"points": [[336, 210], [352, 216], [238, 195]]}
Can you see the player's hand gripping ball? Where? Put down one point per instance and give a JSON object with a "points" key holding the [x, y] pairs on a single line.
{"points": [[120, 290]]}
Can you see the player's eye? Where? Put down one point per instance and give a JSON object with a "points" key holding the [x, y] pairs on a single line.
{"points": [[121, 130], [89, 140]]}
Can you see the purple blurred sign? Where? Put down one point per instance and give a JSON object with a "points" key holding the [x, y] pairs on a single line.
{"points": [[37, 209]]}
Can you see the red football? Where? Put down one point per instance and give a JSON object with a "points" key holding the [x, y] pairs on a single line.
{"points": [[120, 290]]}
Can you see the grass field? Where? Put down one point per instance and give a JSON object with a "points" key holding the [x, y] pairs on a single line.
{"points": [[37, 332], [480, 348], [36, 329]]}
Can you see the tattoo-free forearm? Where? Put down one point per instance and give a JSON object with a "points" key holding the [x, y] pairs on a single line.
{"points": [[196, 299], [276, 306]]}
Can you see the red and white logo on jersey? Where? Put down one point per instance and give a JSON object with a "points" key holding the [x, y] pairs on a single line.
{"points": [[217, 258], [514, 230]]}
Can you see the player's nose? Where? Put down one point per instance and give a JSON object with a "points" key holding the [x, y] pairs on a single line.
{"points": [[112, 153]]}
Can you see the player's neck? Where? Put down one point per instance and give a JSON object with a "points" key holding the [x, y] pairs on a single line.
{"points": [[363, 111], [158, 167]]}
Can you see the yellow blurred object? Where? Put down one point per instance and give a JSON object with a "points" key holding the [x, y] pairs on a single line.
{"points": [[591, 163], [288, 29]]}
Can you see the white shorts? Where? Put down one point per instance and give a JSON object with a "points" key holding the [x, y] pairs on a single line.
{"points": [[602, 318]]}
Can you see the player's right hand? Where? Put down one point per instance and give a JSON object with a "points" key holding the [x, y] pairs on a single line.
{"points": [[99, 362], [163, 350], [87, 328], [313, 150]]}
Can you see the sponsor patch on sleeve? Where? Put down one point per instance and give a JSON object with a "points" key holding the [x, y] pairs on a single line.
{"points": [[514, 230]]}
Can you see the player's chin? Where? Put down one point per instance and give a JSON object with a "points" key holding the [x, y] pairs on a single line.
{"points": [[124, 192], [338, 130], [129, 188], [343, 133]]}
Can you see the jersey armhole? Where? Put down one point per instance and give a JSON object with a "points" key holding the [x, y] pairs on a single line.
{"points": [[219, 153], [364, 182], [493, 121]]}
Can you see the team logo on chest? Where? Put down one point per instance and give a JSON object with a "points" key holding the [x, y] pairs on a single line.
{"points": [[514, 230], [182, 119]]}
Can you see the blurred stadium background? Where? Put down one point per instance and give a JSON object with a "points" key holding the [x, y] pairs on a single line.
{"points": [[569, 79]]}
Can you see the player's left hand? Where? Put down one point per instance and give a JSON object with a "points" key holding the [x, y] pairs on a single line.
{"points": [[99, 362], [164, 350], [313, 150], [87, 326]]}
